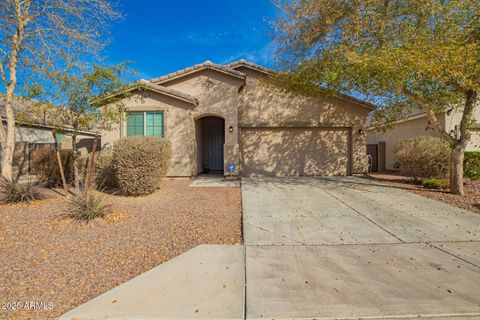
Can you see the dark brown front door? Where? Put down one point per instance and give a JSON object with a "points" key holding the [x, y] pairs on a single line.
{"points": [[213, 141]]}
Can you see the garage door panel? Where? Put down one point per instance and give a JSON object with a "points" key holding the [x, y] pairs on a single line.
{"points": [[295, 151]]}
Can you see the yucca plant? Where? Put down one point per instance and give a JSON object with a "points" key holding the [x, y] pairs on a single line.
{"points": [[86, 206], [18, 192]]}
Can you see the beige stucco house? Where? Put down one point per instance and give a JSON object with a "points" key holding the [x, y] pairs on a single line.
{"points": [[218, 115], [381, 144]]}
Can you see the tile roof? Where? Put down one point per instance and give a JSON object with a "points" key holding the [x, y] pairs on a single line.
{"points": [[24, 115], [205, 65], [168, 91], [230, 68], [245, 63]]}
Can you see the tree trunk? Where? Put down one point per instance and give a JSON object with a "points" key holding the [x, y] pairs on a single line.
{"points": [[8, 144], [459, 145], [75, 173], [8, 138], [456, 169]]}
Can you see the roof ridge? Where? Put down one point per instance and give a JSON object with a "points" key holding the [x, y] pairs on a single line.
{"points": [[170, 91], [243, 62], [203, 65]]}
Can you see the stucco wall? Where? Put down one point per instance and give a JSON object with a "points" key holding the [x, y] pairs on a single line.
{"points": [[418, 127], [33, 135], [454, 119], [250, 104], [220, 100], [179, 117], [179, 129], [262, 105]]}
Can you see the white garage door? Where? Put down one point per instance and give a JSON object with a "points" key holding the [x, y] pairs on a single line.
{"points": [[295, 151]]}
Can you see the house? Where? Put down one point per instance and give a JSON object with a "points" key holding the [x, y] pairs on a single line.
{"points": [[381, 144], [222, 118], [33, 132]]}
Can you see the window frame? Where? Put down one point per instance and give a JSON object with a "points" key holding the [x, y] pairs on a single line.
{"points": [[144, 114]]}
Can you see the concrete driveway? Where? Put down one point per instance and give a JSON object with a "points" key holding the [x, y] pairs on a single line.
{"points": [[317, 248], [349, 248]]}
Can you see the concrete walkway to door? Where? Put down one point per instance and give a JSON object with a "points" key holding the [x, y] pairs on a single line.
{"points": [[348, 248]]}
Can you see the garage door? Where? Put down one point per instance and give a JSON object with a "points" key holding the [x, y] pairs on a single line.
{"points": [[295, 151]]}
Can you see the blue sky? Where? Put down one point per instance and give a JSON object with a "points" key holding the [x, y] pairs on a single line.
{"points": [[164, 36]]}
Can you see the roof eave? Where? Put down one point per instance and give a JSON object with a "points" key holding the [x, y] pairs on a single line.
{"points": [[161, 80], [143, 84]]}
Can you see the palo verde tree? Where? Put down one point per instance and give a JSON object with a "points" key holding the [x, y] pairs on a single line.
{"points": [[33, 33], [77, 99], [403, 53]]}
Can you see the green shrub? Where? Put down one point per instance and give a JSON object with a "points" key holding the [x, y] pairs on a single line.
{"points": [[436, 183], [16, 192], [86, 206], [472, 165], [45, 166], [423, 157], [140, 163]]}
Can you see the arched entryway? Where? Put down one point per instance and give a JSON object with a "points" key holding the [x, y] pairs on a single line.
{"points": [[210, 136]]}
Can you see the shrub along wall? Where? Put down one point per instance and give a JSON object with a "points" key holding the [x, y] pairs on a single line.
{"points": [[45, 166], [423, 157], [140, 163], [472, 165]]}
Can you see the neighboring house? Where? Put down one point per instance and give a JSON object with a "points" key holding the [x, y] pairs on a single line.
{"points": [[34, 134], [381, 144], [218, 115]]}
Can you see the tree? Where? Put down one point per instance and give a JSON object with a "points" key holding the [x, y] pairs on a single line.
{"points": [[80, 96], [402, 53], [33, 33]]}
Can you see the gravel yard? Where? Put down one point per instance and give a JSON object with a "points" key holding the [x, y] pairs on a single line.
{"points": [[470, 201], [47, 258]]}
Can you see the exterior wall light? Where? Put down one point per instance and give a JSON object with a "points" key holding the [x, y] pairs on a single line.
{"points": [[230, 129], [360, 131]]}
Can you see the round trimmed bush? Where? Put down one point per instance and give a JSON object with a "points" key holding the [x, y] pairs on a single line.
{"points": [[423, 157], [140, 163]]}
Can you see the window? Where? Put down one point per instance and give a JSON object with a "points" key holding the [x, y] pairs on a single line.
{"points": [[135, 124], [145, 123]]}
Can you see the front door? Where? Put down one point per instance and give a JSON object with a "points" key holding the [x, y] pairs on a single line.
{"points": [[214, 139]]}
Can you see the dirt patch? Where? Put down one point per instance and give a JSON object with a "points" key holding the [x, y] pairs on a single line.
{"points": [[50, 259], [470, 201]]}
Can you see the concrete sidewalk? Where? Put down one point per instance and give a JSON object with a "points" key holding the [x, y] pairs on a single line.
{"points": [[206, 282]]}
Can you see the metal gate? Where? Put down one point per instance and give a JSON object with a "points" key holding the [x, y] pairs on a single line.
{"points": [[372, 152]]}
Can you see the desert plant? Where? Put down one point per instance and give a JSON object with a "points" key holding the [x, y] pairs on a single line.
{"points": [[85, 206], [45, 166], [472, 165], [423, 157], [140, 163], [17, 192], [435, 183]]}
